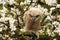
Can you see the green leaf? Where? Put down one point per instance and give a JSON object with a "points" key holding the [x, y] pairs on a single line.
{"points": [[8, 6], [15, 23], [56, 12], [43, 20], [21, 8], [49, 26], [0, 15], [8, 14], [1, 6], [1, 26], [18, 1], [58, 1]]}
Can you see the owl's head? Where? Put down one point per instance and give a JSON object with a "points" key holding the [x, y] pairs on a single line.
{"points": [[33, 14]]}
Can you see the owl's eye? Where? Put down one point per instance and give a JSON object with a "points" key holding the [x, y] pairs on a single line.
{"points": [[37, 15]]}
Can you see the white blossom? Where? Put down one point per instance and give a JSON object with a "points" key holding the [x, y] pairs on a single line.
{"points": [[55, 23], [5, 28], [58, 6], [51, 9], [12, 25], [54, 39], [51, 2], [13, 28], [11, 2], [1, 1], [0, 29], [49, 32], [6, 35], [12, 33], [57, 30], [49, 18]]}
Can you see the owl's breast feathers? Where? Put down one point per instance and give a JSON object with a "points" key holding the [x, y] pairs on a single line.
{"points": [[33, 25]]}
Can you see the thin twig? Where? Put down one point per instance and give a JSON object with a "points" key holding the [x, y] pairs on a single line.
{"points": [[5, 23]]}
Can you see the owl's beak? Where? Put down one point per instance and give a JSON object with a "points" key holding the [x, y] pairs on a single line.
{"points": [[33, 18]]}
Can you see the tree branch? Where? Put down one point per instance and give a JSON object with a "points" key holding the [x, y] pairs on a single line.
{"points": [[5, 23]]}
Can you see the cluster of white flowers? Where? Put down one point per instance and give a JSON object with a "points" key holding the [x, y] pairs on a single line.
{"points": [[12, 25], [11, 21], [51, 2]]}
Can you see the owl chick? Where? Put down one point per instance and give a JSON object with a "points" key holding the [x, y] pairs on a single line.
{"points": [[32, 20]]}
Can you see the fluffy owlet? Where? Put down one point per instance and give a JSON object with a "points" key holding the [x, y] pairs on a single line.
{"points": [[32, 19]]}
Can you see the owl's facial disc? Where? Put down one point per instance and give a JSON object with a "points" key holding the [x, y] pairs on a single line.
{"points": [[34, 17]]}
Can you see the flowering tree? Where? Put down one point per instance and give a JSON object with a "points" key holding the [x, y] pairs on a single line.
{"points": [[11, 13]]}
